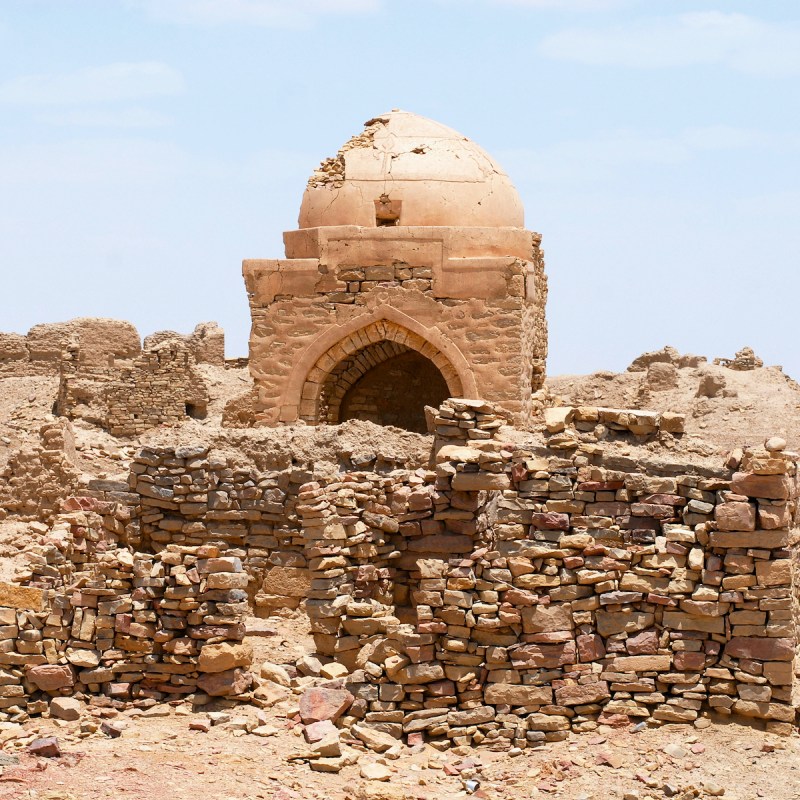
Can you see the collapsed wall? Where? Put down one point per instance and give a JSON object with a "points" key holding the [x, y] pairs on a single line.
{"points": [[39, 352], [160, 387], [96, 618], [514, 591]]}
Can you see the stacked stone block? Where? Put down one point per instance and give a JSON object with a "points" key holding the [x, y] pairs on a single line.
{"points": [[571, 594], [99, 619]]}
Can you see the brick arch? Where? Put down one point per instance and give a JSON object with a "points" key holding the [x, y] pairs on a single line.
{"points": [[300, 397], [349, 371], [359, 349]]}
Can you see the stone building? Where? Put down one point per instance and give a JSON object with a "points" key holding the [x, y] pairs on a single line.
{"points": [[410, 279]]}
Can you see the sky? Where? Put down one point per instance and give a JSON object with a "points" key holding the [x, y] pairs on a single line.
{"points": [[148, 146]]}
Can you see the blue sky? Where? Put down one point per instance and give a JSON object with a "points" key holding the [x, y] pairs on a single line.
{"points": [[147, 146]]}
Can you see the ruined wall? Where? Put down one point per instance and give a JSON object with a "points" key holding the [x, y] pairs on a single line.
{"points": [[206, 342], [512, 593], [36, 481], [99, 341], [555, 593], [98, 618], [160, 387]]}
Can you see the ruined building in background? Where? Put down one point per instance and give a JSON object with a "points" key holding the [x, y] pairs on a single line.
{"points": [[411, 279]]}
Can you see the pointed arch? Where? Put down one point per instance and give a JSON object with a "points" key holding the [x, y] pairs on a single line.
{"points": [[301, 399]]}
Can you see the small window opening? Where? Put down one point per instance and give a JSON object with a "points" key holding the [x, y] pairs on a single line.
{"points": [[387, 212], [195, 411]]}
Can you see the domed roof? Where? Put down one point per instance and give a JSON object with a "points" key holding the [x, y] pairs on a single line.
{"points": [[404, 169]]}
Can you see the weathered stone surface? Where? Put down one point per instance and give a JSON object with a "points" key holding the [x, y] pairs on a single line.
{"points": [[777, 711], [543, 619], [776, 487], [24, 597], [735, 516], [761, 649], [224, 656], [275, 673], [420, 673], [318, 704], [609, 623], [45, 748], [287, 581], [774, 573], [375, 740], [51, 677], [509, 694], [221, 684], [642, 663], [766, 538], [582, 694], [480, 481], [66, 708]]}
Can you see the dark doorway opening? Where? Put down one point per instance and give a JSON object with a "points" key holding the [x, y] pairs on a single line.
{"points": [[395, 392]]}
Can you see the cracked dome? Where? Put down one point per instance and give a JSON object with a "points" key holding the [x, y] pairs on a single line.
{"points": [[404, 169]]}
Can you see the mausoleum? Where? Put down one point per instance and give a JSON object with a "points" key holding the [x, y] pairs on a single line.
{"points": [[410, 279]]}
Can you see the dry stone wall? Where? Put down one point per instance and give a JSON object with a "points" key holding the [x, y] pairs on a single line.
{"points": [[96, 618], [506, 595], [555, 593]]}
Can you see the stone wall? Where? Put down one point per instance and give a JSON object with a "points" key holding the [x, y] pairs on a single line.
{"points": [[99, 341], [160, 387], [525, 594], [97, 618], [517, 589], [471, 301]]}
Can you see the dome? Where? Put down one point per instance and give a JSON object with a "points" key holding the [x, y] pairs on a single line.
{"points": [[404, 169]]}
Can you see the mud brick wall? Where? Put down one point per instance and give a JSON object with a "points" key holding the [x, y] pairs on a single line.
{"points": [[99, 619], [160, 387], [555, 592], [36, 481]]}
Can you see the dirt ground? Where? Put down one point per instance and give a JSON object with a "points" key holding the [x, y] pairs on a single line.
{"points": [[158, 757], [747, 407]]}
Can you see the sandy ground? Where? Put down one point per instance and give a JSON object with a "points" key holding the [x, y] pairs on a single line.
{"points": [[750, 407]]}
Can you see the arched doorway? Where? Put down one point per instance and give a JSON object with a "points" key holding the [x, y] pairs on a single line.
{"points": [[393, 392], [382, 373]]}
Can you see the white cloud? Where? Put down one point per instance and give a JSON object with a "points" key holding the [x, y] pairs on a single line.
{"points": [[112, 82], [606, 155], [266, 13], [119, 118], [567, 5], [740, 42]]}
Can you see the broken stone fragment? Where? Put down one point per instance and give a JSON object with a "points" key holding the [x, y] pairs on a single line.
{"points": [[221, 684], [111, 729], [375, 740], [318, 704], [224, 656], [275, 673], [46, 748], [66, 708]]}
